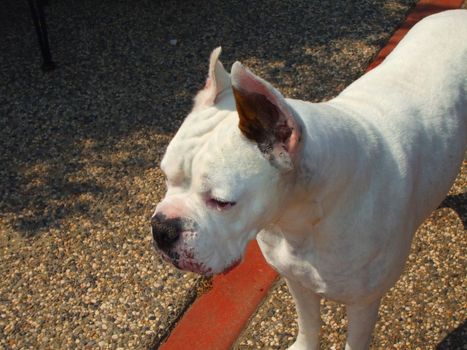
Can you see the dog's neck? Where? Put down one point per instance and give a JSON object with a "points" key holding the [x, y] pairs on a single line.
{"points": [[337, 149]]}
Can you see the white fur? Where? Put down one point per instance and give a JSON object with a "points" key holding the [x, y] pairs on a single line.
{"points": [[373, 163]]}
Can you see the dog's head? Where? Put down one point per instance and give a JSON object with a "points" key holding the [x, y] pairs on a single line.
{"points": [[228, 171]]}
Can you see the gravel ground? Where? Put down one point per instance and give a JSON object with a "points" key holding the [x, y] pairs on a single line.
{"points": [[80, 146]]}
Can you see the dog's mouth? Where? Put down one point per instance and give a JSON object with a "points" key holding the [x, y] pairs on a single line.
{"points": [[186, 262], [193, 266]]}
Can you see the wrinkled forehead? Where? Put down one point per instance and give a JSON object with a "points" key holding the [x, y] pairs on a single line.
{"points": [[229, 160], [190, 137], [213, 155]]}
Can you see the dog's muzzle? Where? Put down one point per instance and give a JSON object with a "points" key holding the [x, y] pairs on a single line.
{"points": [[166, 232]]}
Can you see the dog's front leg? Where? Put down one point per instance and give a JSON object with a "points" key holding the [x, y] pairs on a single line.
{"points": [[309, 320], [362, 319]]}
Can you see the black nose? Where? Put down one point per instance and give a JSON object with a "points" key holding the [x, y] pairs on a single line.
{"points": [[165, 231]]}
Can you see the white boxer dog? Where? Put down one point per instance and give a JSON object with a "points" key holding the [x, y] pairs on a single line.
{"points": [[333, 191]]}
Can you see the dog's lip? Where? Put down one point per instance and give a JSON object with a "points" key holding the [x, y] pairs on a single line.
{"points": [[163, 254], [193, 266]]}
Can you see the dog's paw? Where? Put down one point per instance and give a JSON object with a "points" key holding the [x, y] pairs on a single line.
{"points": [[300, 344], [295, 346]]}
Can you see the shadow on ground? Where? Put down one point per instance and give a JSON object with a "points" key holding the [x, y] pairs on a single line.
{"points": [[458, 203], [118, 76], [454, 339]]}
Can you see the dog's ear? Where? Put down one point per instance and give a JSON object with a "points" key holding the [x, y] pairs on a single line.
{"points": [[265, 117], [218, 80]]}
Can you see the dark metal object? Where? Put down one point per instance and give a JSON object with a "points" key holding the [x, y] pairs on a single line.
{"points": [[37, 12]]}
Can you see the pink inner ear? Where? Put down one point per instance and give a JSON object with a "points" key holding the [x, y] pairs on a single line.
{"points": [[208, 83], [248, 82], [294, 139], [218, 80]]}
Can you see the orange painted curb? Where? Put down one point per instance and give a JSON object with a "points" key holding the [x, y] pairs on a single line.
{"points": [[216, 319], [423, 9]]}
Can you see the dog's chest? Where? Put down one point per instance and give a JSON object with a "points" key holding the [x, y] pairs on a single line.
{"points": [[291, 262]]}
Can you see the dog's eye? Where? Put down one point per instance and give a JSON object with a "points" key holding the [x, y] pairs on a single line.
{"points": [[219, 204]]}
